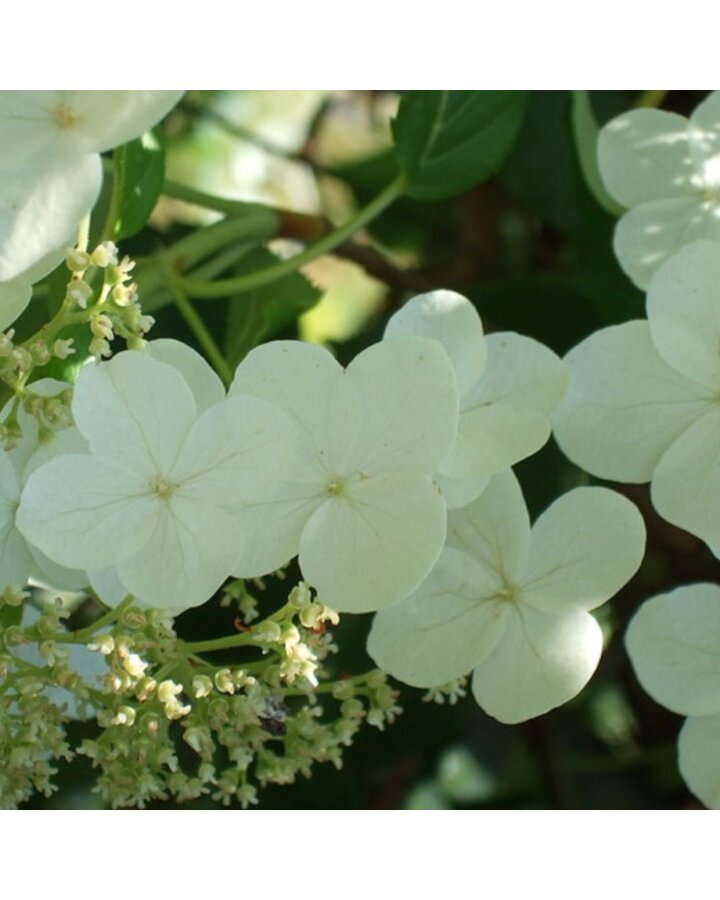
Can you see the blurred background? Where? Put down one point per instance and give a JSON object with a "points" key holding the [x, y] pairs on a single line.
{"points": [[532, 249]]}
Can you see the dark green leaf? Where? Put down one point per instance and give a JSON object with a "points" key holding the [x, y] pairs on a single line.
{"points": [[585, 132], [259, 314], [139, 173], [10, 615], [449, 141]]}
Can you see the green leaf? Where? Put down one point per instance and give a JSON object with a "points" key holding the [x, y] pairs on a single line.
{"points": [[139, 174], [585, 132], [449, 141], [10, 615], [257, 315]]}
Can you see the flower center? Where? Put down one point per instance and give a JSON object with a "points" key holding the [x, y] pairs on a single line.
{"points": [[508, 593], [162, 486], [335, 487], [65, 116]]}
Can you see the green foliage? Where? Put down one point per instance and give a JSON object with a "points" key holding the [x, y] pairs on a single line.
{"points": [[449, 141], [139, 174], [585, 131]]}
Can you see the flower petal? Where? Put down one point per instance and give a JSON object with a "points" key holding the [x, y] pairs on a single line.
{"points": [[84, 513], [674, 644], [15, 559], [16, 293], [206, 387], [651, 233], [235, 452], [495, 528], [645, 155], [451, 319], [584, 548], [704, 136], [540, 662], [624, 405], [409, 405], [686, 484], [684, 312], [134, 409], [373, 543], [461, 491], [698, 758], [186, 558], [445, 628], [41, 207]]}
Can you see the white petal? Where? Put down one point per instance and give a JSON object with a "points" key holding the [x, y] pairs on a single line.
{"points": [[107, 119], [686, 483], [492, 438], [15, 558], [16, 293], [495, 528], [59, 577], [460, 491], [84, 513], [107, 585], [409, 405], [583, 549], [651, 233], [205, 385], [540, 662], [41, 207], [645, 155], [674, 644], [704, 134], [187, 557], [520, 372], [624, 405], [272, 528], [445, 628], [684, 312], [235, 452], [69, 440], [375, 542], [134, 409], [699, 758], [451, 319]]}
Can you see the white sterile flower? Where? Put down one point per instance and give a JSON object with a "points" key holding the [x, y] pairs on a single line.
{"points": [[50, 169], [644, 397], [507, 384], [674, 645], [153, 496], [512, 603], [666, 171], [360, 505]]}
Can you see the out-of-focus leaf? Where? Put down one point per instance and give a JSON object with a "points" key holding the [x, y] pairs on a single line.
{"points": [[259, 314], [139, 174], [10, 615], [585, 132], [426, 795], [461, 777], [449, 141]]}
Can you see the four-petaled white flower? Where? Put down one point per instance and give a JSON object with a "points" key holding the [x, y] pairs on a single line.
{"points": [[674, 645], [359, 506], [50, 168], [666, 171], [507, 385], [153, 496], [643, 400], [512, 603]]}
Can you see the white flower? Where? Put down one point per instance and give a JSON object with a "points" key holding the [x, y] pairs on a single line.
{"points": [[666, 171], [50, 168], [508, 385], [360, 505], [512, 603], [153, 496], [16, 293], [644, 397], [674, 645]]}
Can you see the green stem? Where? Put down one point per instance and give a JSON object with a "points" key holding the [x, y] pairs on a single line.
{"points": [[200, 330], [84, 634], [223, 643], [234, 208], [650, 99], [231, 286]]}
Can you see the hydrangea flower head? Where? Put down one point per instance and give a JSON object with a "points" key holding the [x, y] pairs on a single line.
{"points": [[50, 169], [643, 402], [507, 384], [511, 603], [674, 645], [153, 495], [359, 506], [666, 171]]}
